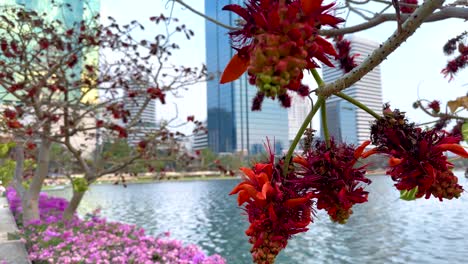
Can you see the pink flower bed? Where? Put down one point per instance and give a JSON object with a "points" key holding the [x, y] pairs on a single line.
{"points": [[95, 240]]}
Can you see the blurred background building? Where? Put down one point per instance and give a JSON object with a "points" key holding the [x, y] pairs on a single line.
{"points": [[146, 124], [232, 126], [347, 123]]}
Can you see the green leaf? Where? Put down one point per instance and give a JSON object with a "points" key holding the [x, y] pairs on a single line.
{"points": [[409, 195], [80, 184], [3, 150], [464, 131]]}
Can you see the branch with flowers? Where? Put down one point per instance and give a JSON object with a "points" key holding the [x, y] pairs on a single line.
{"points": [[280, 40], [57, 89]]}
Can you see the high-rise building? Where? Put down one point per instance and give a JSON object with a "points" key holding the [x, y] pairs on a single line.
{"points": [[200, 139], [297, 113], [232, 126], [146, 124], [346, 122]]}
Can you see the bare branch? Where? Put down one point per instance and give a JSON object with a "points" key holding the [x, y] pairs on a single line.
{"points": [[445, 13], [204, 16], [392, 43], [440, 115]]}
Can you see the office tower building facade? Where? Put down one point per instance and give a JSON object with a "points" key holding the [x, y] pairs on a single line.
{"points": [[146, 124], [200, 139], [232, 126], [297, 113], [346, 122]]}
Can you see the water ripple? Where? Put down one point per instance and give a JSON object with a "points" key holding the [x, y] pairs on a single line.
{"points": [[383, 230]]}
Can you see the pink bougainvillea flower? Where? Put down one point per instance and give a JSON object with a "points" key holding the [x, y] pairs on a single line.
{"points": [[277, 42], [275, 211], [417, 156], [329, 174]]}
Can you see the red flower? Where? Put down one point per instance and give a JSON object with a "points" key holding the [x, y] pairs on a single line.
{"points": [[275, 212], [156, 93], [343, 47], [417, 157], [408, 9], [4, 45], [99, 123], [89, 68], [455, 65], [9, 114], [277, 42], [72, 61], [330, 175], [14, 124], [142, 145], [121, 130], [15, 87], [132, 94], [257, 101], [31, 145], [44, 43], [190, 118], [435, 106], [14, 47]]}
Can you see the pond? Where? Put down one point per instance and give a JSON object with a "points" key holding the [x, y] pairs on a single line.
{"points": [[383, 230]]}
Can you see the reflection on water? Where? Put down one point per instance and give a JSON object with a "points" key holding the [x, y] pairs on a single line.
{"points": [[384, 230]]}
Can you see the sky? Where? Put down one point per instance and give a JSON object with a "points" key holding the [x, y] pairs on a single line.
{"points": [[409, 73]]}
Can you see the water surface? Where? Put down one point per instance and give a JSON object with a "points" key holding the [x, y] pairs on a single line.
{"points": [[383, 230]]}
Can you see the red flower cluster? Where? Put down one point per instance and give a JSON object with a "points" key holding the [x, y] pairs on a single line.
{"points": [[190, 118], [343, 46], [329, 174], [435, 106], [156, 93], [11, 118], [459, 62], [408, 9], [275, 211], [119, 129], [455, 65], [277, 43], [417, 157], [118, 111], [141, 146]]}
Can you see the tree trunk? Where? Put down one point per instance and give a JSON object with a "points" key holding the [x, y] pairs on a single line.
{"points": [[31, 198], [19, 170], [73, 205], [30, 206]]}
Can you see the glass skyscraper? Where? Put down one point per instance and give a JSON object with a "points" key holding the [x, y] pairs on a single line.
{"points": [[347, 123], [232, 126], [75, 10], [70, 13]]}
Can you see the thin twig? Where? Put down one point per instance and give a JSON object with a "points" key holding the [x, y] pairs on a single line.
{"points": [[445, 13], [381, 53]]}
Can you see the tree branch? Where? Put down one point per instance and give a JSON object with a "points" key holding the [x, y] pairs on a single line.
{"points": [[392, 43], [445, 13], [440, 115], [204, 16]]}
